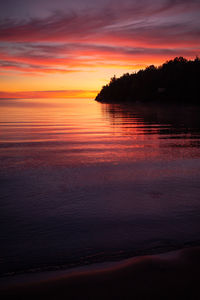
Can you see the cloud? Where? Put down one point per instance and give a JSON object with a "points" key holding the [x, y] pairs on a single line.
{"points": [[118, 32], [76, 26], [71, 57], [15, 65], [58, 27]]}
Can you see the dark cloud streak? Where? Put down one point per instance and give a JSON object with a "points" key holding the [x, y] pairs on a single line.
{"points": [[72, 25]]}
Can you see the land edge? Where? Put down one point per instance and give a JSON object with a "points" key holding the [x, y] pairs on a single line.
{"points": [[170, 275]]}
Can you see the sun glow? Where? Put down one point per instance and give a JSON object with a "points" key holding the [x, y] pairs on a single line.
{"points": [[60, 53]]}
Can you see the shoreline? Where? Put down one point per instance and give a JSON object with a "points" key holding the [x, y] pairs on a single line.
{"points": [[166, 275], [29, 274]]}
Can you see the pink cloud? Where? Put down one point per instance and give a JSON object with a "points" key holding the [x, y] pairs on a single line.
{"points": [[67, 42]]}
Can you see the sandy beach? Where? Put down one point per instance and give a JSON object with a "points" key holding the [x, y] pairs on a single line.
{"points": [[172, 275]]}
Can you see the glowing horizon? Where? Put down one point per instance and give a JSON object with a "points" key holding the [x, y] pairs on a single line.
{"points": [[72, 49]]}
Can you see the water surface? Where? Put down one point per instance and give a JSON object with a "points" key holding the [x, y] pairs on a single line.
{"points": [[83, 182]]}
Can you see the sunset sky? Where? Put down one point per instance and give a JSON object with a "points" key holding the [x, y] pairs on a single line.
{"points": [[70, 48]]}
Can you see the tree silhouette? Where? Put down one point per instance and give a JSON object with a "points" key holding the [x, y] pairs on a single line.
{"points": [[176, 80]]}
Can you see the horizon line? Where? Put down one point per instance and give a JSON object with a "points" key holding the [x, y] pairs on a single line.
{"points": [[49, 94]]}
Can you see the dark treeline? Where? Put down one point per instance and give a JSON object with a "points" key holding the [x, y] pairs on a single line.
{"points": [[176, 80]]}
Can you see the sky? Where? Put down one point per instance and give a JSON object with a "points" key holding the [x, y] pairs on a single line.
{"points": [[71, 48]]}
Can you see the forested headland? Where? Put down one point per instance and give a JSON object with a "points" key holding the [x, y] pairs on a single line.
{"points": [[177, 80]]}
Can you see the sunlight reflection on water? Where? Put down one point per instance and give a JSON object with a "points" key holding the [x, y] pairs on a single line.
{"points": [[83, 178]]}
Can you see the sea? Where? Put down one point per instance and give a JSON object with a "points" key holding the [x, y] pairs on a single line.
{"points": [[83, 182]]}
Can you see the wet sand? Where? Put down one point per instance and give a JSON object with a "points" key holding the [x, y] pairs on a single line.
{"points": [[172, 275]]}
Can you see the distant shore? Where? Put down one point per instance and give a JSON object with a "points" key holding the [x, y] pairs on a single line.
{"points": [[172, 275]]}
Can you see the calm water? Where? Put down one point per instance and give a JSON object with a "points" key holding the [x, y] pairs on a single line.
{"points": [[83, 182]]}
